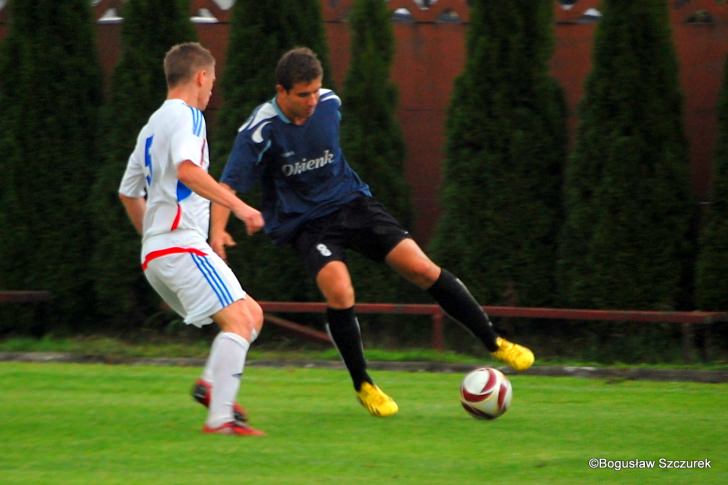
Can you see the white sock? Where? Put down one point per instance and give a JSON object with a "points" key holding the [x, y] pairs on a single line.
{"points": [[226, 362], [207, 371]]}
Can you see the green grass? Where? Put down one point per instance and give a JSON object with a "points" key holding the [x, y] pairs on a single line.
{"points": [[107, 349], [126, 424]]}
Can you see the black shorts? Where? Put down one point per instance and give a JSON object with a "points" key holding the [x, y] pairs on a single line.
{"points": [[363, 225]]}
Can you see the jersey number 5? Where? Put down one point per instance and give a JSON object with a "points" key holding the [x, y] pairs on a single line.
{"points": [[148, 159]]}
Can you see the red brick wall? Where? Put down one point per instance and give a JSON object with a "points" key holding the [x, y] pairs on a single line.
{"points": [[430, 54]]}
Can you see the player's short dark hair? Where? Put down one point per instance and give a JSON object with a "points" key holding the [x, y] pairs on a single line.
{"points": [[182, 61], [298, 65]]}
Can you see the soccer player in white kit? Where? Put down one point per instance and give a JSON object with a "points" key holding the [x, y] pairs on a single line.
{"points": [[166, 192]]}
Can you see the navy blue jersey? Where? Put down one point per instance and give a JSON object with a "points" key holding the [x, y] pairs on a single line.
{"points": [[301, 168]]}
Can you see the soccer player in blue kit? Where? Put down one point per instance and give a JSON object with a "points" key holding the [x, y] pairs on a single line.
{"points": [[313, 201]]}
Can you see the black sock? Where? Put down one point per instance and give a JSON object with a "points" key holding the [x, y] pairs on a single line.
{"points": [[455, 298], [344, 330]]}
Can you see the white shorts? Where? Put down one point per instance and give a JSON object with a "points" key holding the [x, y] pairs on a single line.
{"points": [[194, 281]]}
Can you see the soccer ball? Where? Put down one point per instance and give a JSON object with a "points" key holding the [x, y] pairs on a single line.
{"points": [[486, 393]]}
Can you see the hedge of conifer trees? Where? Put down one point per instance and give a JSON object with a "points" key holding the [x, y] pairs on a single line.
{"points": [[610, 225]]}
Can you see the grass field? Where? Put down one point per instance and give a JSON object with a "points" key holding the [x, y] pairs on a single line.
{"points": [[125, 424]]}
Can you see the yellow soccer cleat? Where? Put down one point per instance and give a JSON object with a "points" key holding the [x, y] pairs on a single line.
{"points": [[517, 356], [376, 402]]}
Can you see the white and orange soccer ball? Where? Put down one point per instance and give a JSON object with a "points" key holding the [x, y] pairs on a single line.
{"points": [[486, 393]]}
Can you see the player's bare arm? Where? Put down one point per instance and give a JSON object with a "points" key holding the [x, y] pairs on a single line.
{"points": [[205, 186], [219, 237], [135, 207]]}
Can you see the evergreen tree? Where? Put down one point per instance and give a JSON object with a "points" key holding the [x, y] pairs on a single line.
{"points": [[50, 92], [260, 32], [501, 194], [370, 136], [138, 87], [13, 226], [711, 289], [625, 242]]}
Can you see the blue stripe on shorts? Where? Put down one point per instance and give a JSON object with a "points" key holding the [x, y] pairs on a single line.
{"points": [[213, 279]]}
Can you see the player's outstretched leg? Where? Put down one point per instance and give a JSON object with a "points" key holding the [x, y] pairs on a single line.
{"points": [[455, 298]]}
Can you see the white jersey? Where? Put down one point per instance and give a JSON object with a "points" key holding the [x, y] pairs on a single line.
{"points": [[176, 259], [174, 133]]}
